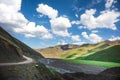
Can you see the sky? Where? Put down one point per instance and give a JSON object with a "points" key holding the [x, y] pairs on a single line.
{"points": [[44, 23]]}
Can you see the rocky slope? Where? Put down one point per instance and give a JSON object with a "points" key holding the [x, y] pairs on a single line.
{"points": [[11, 53]]}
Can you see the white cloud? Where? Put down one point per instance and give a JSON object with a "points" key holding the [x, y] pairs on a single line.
{"points": [[40, 16], [113, 38], [60, 25], [47, 10], [79, 43], [75, 22], [95, 31], [81, 27], [9, 15], [94, 38], [106, 19], [62, 42], [75, 37], [64, 16], [84, 34], [108, 3], [31, 30], [76, 15], [13, 20]]}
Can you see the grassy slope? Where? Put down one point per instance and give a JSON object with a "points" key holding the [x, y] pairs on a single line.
{"points": [[83, 51], [111, 54], [95, 63], [106, 54]]}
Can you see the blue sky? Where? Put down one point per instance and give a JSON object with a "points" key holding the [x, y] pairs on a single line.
{"points": [[44, 23]]}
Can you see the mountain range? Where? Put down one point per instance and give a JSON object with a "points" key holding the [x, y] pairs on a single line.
{"points": [[99, 51]]}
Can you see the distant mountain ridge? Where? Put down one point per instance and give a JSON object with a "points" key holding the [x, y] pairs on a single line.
{"points": [[75, 51], [56, 51]]}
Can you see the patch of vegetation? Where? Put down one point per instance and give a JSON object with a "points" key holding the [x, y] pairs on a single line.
{"points": [[95, 63], [83, 50], [111, 54], [9, 41]]}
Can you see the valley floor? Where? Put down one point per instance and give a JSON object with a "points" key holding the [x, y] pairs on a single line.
{"points": [[66, 67]]}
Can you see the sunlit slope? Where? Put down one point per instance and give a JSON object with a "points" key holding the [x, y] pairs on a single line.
{"points": [[111, 54], [56, 51], [88, 49], [51, 52], [104, 54]]}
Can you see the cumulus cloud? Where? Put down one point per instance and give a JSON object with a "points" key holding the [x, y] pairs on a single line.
{"points": [[10, 17], [62, 42], [95, 31], [113, 38], [106, 19], [60, 26], [75, 37], [84, 34], [94, 38], [79, 43], [13, 20], [108, 3], [47, 10], [81, 27], [76, 15], [31, 30], [75, 22]]}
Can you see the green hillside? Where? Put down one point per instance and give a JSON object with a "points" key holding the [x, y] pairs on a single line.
{"points": [[111, 54], [109, 57], [82, 50], [88, 49]]}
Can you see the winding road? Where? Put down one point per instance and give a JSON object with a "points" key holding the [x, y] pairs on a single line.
{"points": [[28, 60]]}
